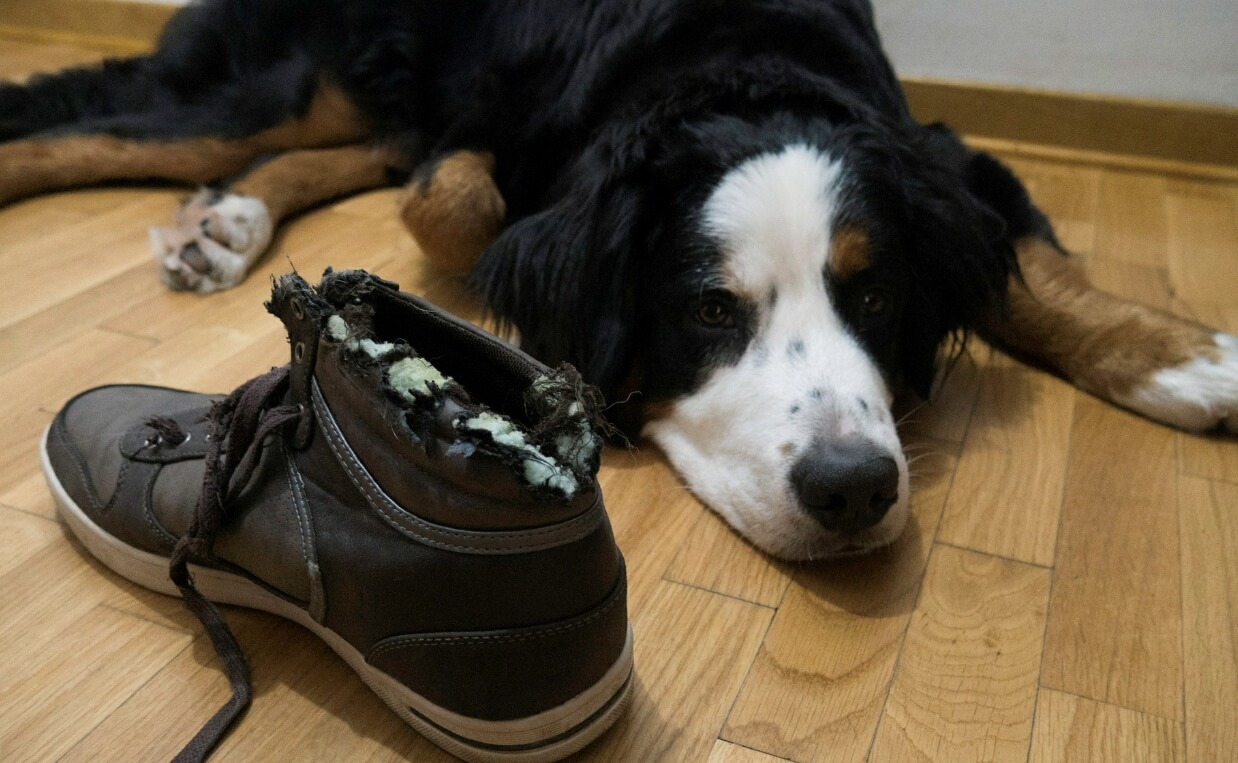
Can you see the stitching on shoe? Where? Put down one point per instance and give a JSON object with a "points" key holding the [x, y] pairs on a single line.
{"points": [[486, 542], [297, 506], [401, 642], [120, 479], [91, 494], [296, 484], [148, 509]]}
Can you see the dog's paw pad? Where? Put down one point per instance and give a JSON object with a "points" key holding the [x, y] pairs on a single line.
{"points": [[1199, 395], [216, 239]]}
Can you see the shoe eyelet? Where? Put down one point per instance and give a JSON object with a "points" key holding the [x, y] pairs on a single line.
{"points": [[298, 310], [298, 352], [153, 441]]}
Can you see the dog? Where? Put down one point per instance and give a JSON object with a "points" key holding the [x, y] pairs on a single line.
{"points": [[721, 211]]}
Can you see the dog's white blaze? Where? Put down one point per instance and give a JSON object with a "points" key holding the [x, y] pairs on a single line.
{"points": [[1199, 395], [803, 377]]}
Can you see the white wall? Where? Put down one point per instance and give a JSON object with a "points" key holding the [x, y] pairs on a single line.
{"points": [[1184, 50]]}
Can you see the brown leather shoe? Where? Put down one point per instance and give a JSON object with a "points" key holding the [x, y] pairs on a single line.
{"points": [[415, 491]]}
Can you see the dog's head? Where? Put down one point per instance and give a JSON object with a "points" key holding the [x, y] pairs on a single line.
{"points": [[765, 287]]}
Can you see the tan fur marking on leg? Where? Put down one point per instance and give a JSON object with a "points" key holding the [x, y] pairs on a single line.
{"points": [[332, 119], [40, 165], [29, 167], [298, 180], [458, 212], [1104, 344], [849, 252]]}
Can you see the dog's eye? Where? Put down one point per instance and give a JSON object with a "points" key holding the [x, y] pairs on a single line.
{"points": [[876, 302], [714, 313]]}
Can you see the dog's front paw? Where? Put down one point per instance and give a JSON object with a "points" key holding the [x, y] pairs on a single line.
{"points": [[1199, 395], [216, 240]]}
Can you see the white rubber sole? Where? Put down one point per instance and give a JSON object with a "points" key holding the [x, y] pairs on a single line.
{"points": [[548, 736]]}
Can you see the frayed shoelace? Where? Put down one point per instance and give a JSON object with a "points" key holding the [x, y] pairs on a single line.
{"points": [[239, 425]]}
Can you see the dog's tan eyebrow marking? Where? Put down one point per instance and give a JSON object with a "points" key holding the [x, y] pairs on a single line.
{"points": [[849, 252]]}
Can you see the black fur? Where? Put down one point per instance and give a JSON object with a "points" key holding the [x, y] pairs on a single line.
{"points": [[609, 120]]}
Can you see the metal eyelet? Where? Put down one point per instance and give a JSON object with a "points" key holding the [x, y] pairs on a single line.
{"points": [[298, 352], [297, 310], [152, 441]]}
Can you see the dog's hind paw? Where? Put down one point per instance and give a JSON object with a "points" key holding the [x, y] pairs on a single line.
{"points": [[1199, 395], [216, 240]]}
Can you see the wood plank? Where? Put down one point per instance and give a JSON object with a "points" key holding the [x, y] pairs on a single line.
{"points": [[22, 536], [714, 557], [1207, 513], [692, 651], [307, 705], [79, 311], [725, 752], [1114, 630], [965, 689], [1203, 243], [78, 678], [80, 257], [1070, 728], [651, 513], [1007, 492], [818, 685], [1130, 218], [28, 493]]}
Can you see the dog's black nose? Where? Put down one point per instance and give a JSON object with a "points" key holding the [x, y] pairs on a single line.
{"points": [[846, 486]]}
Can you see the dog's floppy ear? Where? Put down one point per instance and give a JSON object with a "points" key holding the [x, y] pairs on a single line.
{"points": [[565, 277], [962, 250]]}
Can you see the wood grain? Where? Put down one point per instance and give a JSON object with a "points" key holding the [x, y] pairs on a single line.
{"points": [[1007, 490], [1130, 218], [1115, 621], [966, 682], [692, 652], [1070, 728], [1209, 518], [715, 558], [725, 752], [1202, 234]]}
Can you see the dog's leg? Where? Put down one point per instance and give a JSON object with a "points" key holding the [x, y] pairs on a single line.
{"points": [[39, 165], [220, 234], [30, 167], [453, 208], [1151, 362]]}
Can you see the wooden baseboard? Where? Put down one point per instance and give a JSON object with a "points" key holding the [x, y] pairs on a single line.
{"points": [[113, 26], [1156, 130], [1160, 134]]}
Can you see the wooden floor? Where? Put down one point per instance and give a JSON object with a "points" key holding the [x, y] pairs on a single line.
{"points": [[1066, 591]]}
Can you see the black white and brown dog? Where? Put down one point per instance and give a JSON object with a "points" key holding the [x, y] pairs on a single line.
{"points": [[723, 205]]}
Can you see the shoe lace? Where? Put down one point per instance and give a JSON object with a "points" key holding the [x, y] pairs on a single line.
{"points": [[238, 428]]}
